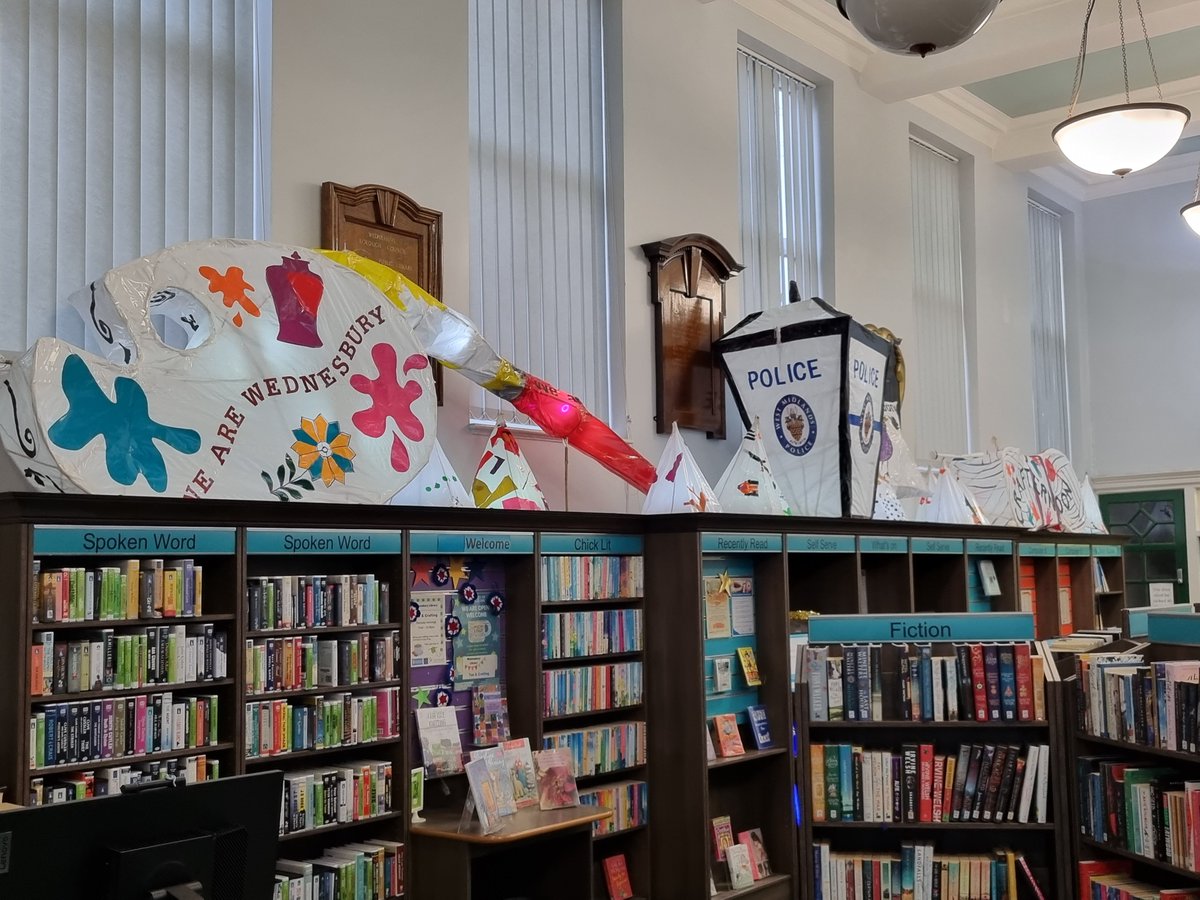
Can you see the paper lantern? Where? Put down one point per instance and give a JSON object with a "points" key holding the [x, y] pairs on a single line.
{"points": [[950, 504], [1065, 491], [436, 484], [1002, 484], [503, 479], [1091, 509], [747, 485], [296, 379], [887, 504], [680, 485], [816, 379]]}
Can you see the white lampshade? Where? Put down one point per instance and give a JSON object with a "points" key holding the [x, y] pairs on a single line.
{"points": [[1191, 215], [1118, 140]]}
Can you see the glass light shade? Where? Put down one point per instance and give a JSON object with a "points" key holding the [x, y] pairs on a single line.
{"points": [[1191, 215], [917, 26], [1118, 140]]}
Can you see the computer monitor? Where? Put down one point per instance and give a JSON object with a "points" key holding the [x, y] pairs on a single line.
{"points": [[214, 840]]}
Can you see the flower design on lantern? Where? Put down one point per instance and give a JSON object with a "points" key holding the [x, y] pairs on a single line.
{"points": [[324, 449]]}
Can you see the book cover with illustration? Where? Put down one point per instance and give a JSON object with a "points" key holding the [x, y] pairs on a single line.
{"points": [[616, 878], [483, 791], [749, 666], [555, 783], [741, 869], [441, 746], [728, 738], [759, 725], [518, 760], [753, 839]]}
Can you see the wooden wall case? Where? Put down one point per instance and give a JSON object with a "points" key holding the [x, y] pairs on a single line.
{"points": [[389, 227], [687, 287]]}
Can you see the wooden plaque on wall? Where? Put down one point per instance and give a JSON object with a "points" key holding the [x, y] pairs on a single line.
{"points": [[388, 227], [687, 287]]}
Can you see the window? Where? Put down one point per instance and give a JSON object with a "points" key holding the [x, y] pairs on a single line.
{"points": [[1050, 396], [780, 240], [937, 399], [539, 222], [124, 127]]}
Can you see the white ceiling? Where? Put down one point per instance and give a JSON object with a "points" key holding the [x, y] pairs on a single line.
{"points": [[1010, 84]]}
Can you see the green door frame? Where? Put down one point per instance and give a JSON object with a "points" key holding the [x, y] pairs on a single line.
{"points": [[1156, 524]]}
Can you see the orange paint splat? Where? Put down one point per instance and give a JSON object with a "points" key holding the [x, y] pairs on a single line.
{"points": [[233, 288]]}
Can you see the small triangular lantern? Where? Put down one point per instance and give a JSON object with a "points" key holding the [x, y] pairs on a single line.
{"points": [[748, 485], [1091, 508], [436, 484], [504, 479], [887, 504], [680, 485]]}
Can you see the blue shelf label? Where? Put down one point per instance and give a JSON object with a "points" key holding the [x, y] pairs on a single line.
{"points": [[1038, 550], [1139, 616], [883, 545], [50, 539], [741, 543], [592, 544], [820, 543], [937, 545], [1173, 628], [990, 548], [1074, 550], [930, 627], [1106, 549], [470, 542], [316, 540]]}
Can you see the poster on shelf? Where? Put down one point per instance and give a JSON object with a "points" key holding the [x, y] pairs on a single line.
{"points": [[815, 378], [477, 644], [427, 629]]}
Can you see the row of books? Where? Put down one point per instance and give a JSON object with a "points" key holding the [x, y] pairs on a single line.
{"points": [[350, 792], [1148, 810], [981, 782], [368, 870], [275, 727], [565, 635], [743, 861], [110, 780], [627, 800], [306, 662], [161, 654], [591, 688], [1124, 698], [591, 577], [316, 601], [132, 589], [90, 731], [979, 682], [1110, 879], [600, 749], [919, 872], [509, 777]]}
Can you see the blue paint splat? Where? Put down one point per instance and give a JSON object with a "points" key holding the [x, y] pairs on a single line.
{"points": [[128, 431]]}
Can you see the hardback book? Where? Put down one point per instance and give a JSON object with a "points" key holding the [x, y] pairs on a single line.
{"points": [[616, 877], [728, 737], [556, 784], [441, 746], [489, 710], [518, 760], [483, 791], [749, 666], [753, 840], [722, 673], [836, 703], [722, 832], [741, 869], [818, 686], [988, 579], [757, 714], [501, 780]]}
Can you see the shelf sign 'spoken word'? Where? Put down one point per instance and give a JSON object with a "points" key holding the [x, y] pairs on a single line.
{"points": [[930, 627], [117, 542], [278, 541]]}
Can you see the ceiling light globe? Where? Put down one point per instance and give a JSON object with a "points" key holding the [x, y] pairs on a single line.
{"points": [[1191, 215], [917, 26], [1117, 140]]}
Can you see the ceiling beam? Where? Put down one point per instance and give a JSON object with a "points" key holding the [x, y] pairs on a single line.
{"points": [[1019, 36]]}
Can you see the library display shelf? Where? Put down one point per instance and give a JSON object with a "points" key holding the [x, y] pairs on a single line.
{"points": [[1150, 862], [560, 662], [287, 756], [750, 756], [177, 688], [1136, 750], [320, 630], [206, 750], [771, 886], [324, 689], [903, 724], [322, 830], [96, 624], [934, 826]]}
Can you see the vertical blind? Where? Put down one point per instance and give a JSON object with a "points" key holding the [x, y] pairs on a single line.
{"points": [[938, 373], [539, 238], [124, 127], [777, 113], [1050, 395]]}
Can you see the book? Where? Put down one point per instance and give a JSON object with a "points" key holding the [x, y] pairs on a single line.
{"points": [[555, 783], [483, 792], [441, 745], [759, 725], [501, 777], [741, 869], [728, 737], [616, 878], [518, 761], [722, 832], [749, 666], [753, 840], [988, 579], [489, 712], [722, 673]]}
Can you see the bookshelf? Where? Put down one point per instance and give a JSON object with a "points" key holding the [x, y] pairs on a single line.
{"points": [[1148, 761], [592, 611], [879, 745]]}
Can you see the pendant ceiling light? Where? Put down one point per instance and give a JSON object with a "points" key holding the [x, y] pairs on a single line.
{"points": [[1117, 140], [1191, 212], [917, 26]]}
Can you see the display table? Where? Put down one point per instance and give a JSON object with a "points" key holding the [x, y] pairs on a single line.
{"points": [[537, 855]]}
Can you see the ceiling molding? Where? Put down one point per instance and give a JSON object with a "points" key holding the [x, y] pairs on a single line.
{"points": [[1157, 480], [818, 24], [962, 110], [1064, 178]]}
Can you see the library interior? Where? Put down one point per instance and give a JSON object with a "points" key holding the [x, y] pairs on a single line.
{"points": [[599, 450]]}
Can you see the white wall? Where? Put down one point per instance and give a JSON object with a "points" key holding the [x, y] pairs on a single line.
{"points": [[395, 76]]}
